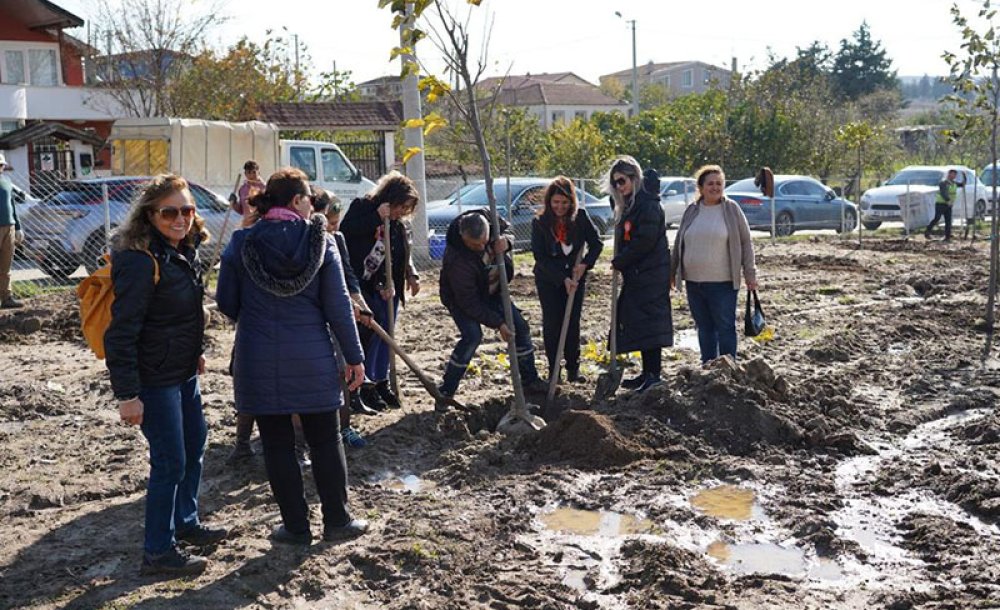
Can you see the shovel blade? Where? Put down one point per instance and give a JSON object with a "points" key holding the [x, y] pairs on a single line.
{"points": [[520, 421], [607, 384]]}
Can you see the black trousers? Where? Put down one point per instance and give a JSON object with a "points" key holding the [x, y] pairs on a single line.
{"points": [[941, 210], [652, 360], [553, 300], [329, 466]]}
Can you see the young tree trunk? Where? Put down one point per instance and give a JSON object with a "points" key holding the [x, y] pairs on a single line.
{"points": [[994, 245]]}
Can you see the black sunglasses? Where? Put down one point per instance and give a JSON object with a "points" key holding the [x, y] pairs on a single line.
{"points": [[619, 182], [171, 213]]}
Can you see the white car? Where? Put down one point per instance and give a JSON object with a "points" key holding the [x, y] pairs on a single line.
{"points": [[676, 192], [881, 204]]}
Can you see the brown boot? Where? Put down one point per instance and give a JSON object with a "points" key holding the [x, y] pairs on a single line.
{"points": [[242, 449]]}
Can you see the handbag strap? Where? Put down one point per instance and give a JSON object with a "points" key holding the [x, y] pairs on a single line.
{"points": [[756, 299]]}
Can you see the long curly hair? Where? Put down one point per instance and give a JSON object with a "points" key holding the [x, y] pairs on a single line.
{"points": [[137, 230], [627, 166], [560, 185], [397, 190]]}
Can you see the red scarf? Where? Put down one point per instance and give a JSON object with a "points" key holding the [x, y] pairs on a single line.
{"points": [[561, 232]]}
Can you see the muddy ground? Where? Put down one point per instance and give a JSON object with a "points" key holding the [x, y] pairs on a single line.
{"points": [[849, 461]]}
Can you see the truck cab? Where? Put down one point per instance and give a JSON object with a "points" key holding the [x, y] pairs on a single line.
{"points": [[326, 166]]}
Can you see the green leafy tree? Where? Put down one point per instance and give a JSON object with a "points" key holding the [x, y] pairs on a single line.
{"points": [[975, 76], [862, 66], [577, 149]]}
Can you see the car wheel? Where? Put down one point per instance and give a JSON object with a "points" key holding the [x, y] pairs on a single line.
{"points": [[850, 222], [871, 225], [783, 225], [57, 269], [93, 249], [981, 209]]}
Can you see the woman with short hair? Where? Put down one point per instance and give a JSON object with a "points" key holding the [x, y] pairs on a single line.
{"points": [[153, 347], [560, 233], [281, 280], [712, 252]]}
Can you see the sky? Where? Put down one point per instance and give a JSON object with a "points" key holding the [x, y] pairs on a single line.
{"points": [[587, 38]]}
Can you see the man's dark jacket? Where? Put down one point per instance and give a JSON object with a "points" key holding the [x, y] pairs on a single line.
{"points": [[464, 285], [157, 329], [643, 259]]}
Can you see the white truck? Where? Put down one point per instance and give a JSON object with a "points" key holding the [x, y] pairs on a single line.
{"points": [[212, 154]]}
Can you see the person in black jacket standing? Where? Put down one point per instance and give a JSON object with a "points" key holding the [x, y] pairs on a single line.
{"points": [[558, 235], [643, 259], [470, 290], [394, 197], [154, 354]]}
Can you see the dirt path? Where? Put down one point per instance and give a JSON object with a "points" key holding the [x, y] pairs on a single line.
{"points": [[849, 462]]}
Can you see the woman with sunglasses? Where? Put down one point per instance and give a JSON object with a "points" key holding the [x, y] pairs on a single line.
{"points": [[561, 232], [642, 257], [153, 347], [282, 281]]}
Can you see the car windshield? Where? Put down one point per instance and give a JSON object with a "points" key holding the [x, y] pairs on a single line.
{"points": [[743, 186], [923, 177], [477, 194], [989, 177], [76, 193]]}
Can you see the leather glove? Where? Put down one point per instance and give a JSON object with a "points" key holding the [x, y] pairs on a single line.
{"points": [[18, 237]]}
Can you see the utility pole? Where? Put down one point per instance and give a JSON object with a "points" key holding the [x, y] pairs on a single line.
{"points": [[635, 68], [414, 137], [298, 78]]}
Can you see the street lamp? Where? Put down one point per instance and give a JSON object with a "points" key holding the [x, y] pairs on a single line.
{"points": [[635, 69]]}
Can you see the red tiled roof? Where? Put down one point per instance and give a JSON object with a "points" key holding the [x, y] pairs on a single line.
{"points": [[556, 95], [376, 116]]}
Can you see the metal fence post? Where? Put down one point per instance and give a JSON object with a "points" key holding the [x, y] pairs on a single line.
{"points": [[774, 229], [861, 225], [107, 218], [906, 211]]}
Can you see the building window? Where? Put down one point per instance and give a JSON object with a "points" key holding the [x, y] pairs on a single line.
{"points": [[687, 79], [42, 67], [558, 116], [707, 79], [665, 81], [9, 126], [13, 68], [581, 114]]}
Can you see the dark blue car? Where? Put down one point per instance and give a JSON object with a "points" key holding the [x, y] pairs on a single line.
{"points": [[800, 202]]}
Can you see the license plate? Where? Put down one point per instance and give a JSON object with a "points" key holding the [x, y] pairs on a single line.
{"points": [[883, 213]]}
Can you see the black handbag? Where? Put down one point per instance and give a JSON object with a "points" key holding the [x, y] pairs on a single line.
{"points": [[753, 321]]}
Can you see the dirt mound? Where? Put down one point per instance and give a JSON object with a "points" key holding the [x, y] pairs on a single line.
{"points": [[43, 318], [664, 576], [31, 400], [586, 440]]}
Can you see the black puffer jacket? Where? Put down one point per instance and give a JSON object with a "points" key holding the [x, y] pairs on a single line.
{"points": [[644, 317], [360, 228], [465, 280], [552, 265], [156, 331]]}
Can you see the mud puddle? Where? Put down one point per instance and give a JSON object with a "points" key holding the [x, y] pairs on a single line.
{"points": [[770, 558], [406, 482]]}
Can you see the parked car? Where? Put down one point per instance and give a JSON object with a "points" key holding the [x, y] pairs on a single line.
{"points": [[881, 204], [461, 190], [800, 202], [990, 177], [526, 200], [676, 192], [23, 202], [67, 229]]}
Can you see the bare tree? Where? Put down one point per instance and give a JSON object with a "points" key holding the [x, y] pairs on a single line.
{"points": [[146, 43]]}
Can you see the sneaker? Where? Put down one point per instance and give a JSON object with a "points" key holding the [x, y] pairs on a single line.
{"points": [[358, 405], [283, 536], [174, 562], [241, 451], [353, 529], [635, 382], [574, 376], [11, 303], [651, 379], [536, 386], [371, 397], [200, 535], [387, 395], [352, 438], [302, 455]]}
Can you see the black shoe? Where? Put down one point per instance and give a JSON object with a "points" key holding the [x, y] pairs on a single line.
{"points": [[650, 380], [386, 394], [441, 405], [353, 529], [635, 382], [536, 386], [11, 303], [241, 451], [371, 397], [200, 535], [574, 376], [283, 536], [359, 406], [173, 563]]}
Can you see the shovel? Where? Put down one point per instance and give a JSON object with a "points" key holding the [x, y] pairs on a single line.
{"points": [[607, 383], [424, 379], [554, 379]]}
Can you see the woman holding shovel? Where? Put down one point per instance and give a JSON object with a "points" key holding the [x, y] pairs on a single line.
{"points": [[642, 256], [565, 244], [394, 198]]}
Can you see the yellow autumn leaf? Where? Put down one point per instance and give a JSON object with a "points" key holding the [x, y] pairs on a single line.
{"points": [[413, 123], [410, 152], [765, 335]]}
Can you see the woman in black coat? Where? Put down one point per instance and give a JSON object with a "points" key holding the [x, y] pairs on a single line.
{"points": [[558, 236], [643, 259]]}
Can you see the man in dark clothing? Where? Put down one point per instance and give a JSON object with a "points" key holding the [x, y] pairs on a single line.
{"points": [[947, 190], [469, 288]]}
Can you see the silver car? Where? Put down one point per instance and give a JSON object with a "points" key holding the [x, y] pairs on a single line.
{"points": [[66, 230], [676, 193]]}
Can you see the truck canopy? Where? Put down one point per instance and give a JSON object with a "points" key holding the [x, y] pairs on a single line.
{"points": [[209, 153]]}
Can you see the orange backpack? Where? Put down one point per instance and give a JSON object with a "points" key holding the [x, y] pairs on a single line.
{"points": [[97, 293]]}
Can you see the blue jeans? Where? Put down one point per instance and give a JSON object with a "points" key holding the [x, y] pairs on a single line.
{"points": [[713, 307], [376, 351], [174, 425], [472, 336]]}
